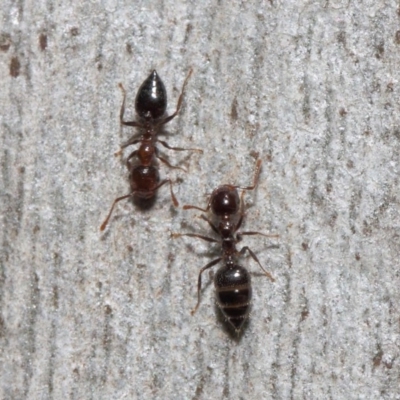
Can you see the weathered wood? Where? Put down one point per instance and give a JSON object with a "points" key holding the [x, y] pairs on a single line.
{"points": [[310, 88]]}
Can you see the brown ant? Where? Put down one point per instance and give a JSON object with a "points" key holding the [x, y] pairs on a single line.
{"points": [[232, 281], [150, 106]]}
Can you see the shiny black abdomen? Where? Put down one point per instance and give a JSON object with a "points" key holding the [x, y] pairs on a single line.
{"points": [[233, 291], [151, 98]]}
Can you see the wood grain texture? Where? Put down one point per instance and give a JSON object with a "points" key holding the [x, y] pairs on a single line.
{"points": [[312, 88]]}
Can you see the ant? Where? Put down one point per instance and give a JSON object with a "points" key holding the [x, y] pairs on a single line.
{"points": [[232, 281], [150, 106]]}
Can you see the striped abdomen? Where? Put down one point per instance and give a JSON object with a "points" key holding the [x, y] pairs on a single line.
{"points": [[233, 290]]}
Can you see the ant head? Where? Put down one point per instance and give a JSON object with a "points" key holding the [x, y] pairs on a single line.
{"points": [[225, 201], [151, 98]]}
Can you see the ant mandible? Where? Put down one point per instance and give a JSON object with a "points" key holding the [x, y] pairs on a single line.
{"points": [[150, 106], [232, 281]]}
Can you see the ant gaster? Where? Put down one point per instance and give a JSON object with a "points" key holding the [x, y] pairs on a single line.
{"points": [[232, 281], [150, 106]]}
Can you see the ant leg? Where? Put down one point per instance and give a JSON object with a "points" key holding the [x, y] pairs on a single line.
{"points": [[256, 176], [104, 224], [209, 265], [178, 106], [167, 162], [130, 141], [126, 144], [271, 235], [213, 227], [174, 200], [122, 111], [190, 207], [206, 238], [254, 257], [240, 234], [128, 163], [239, 224], [165, 144]]}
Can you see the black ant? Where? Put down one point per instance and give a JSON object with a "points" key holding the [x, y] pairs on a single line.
{"points": [[150, 106], [232, 281]]}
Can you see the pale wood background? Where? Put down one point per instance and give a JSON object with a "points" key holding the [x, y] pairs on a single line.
{"points": [[310, 87]]}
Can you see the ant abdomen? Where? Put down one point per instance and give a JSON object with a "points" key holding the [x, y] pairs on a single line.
{"points": [[151, 99], [143, 179], [233, 292]]}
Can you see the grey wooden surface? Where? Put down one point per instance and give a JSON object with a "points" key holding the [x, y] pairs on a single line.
{"points": [[312, 88]]}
